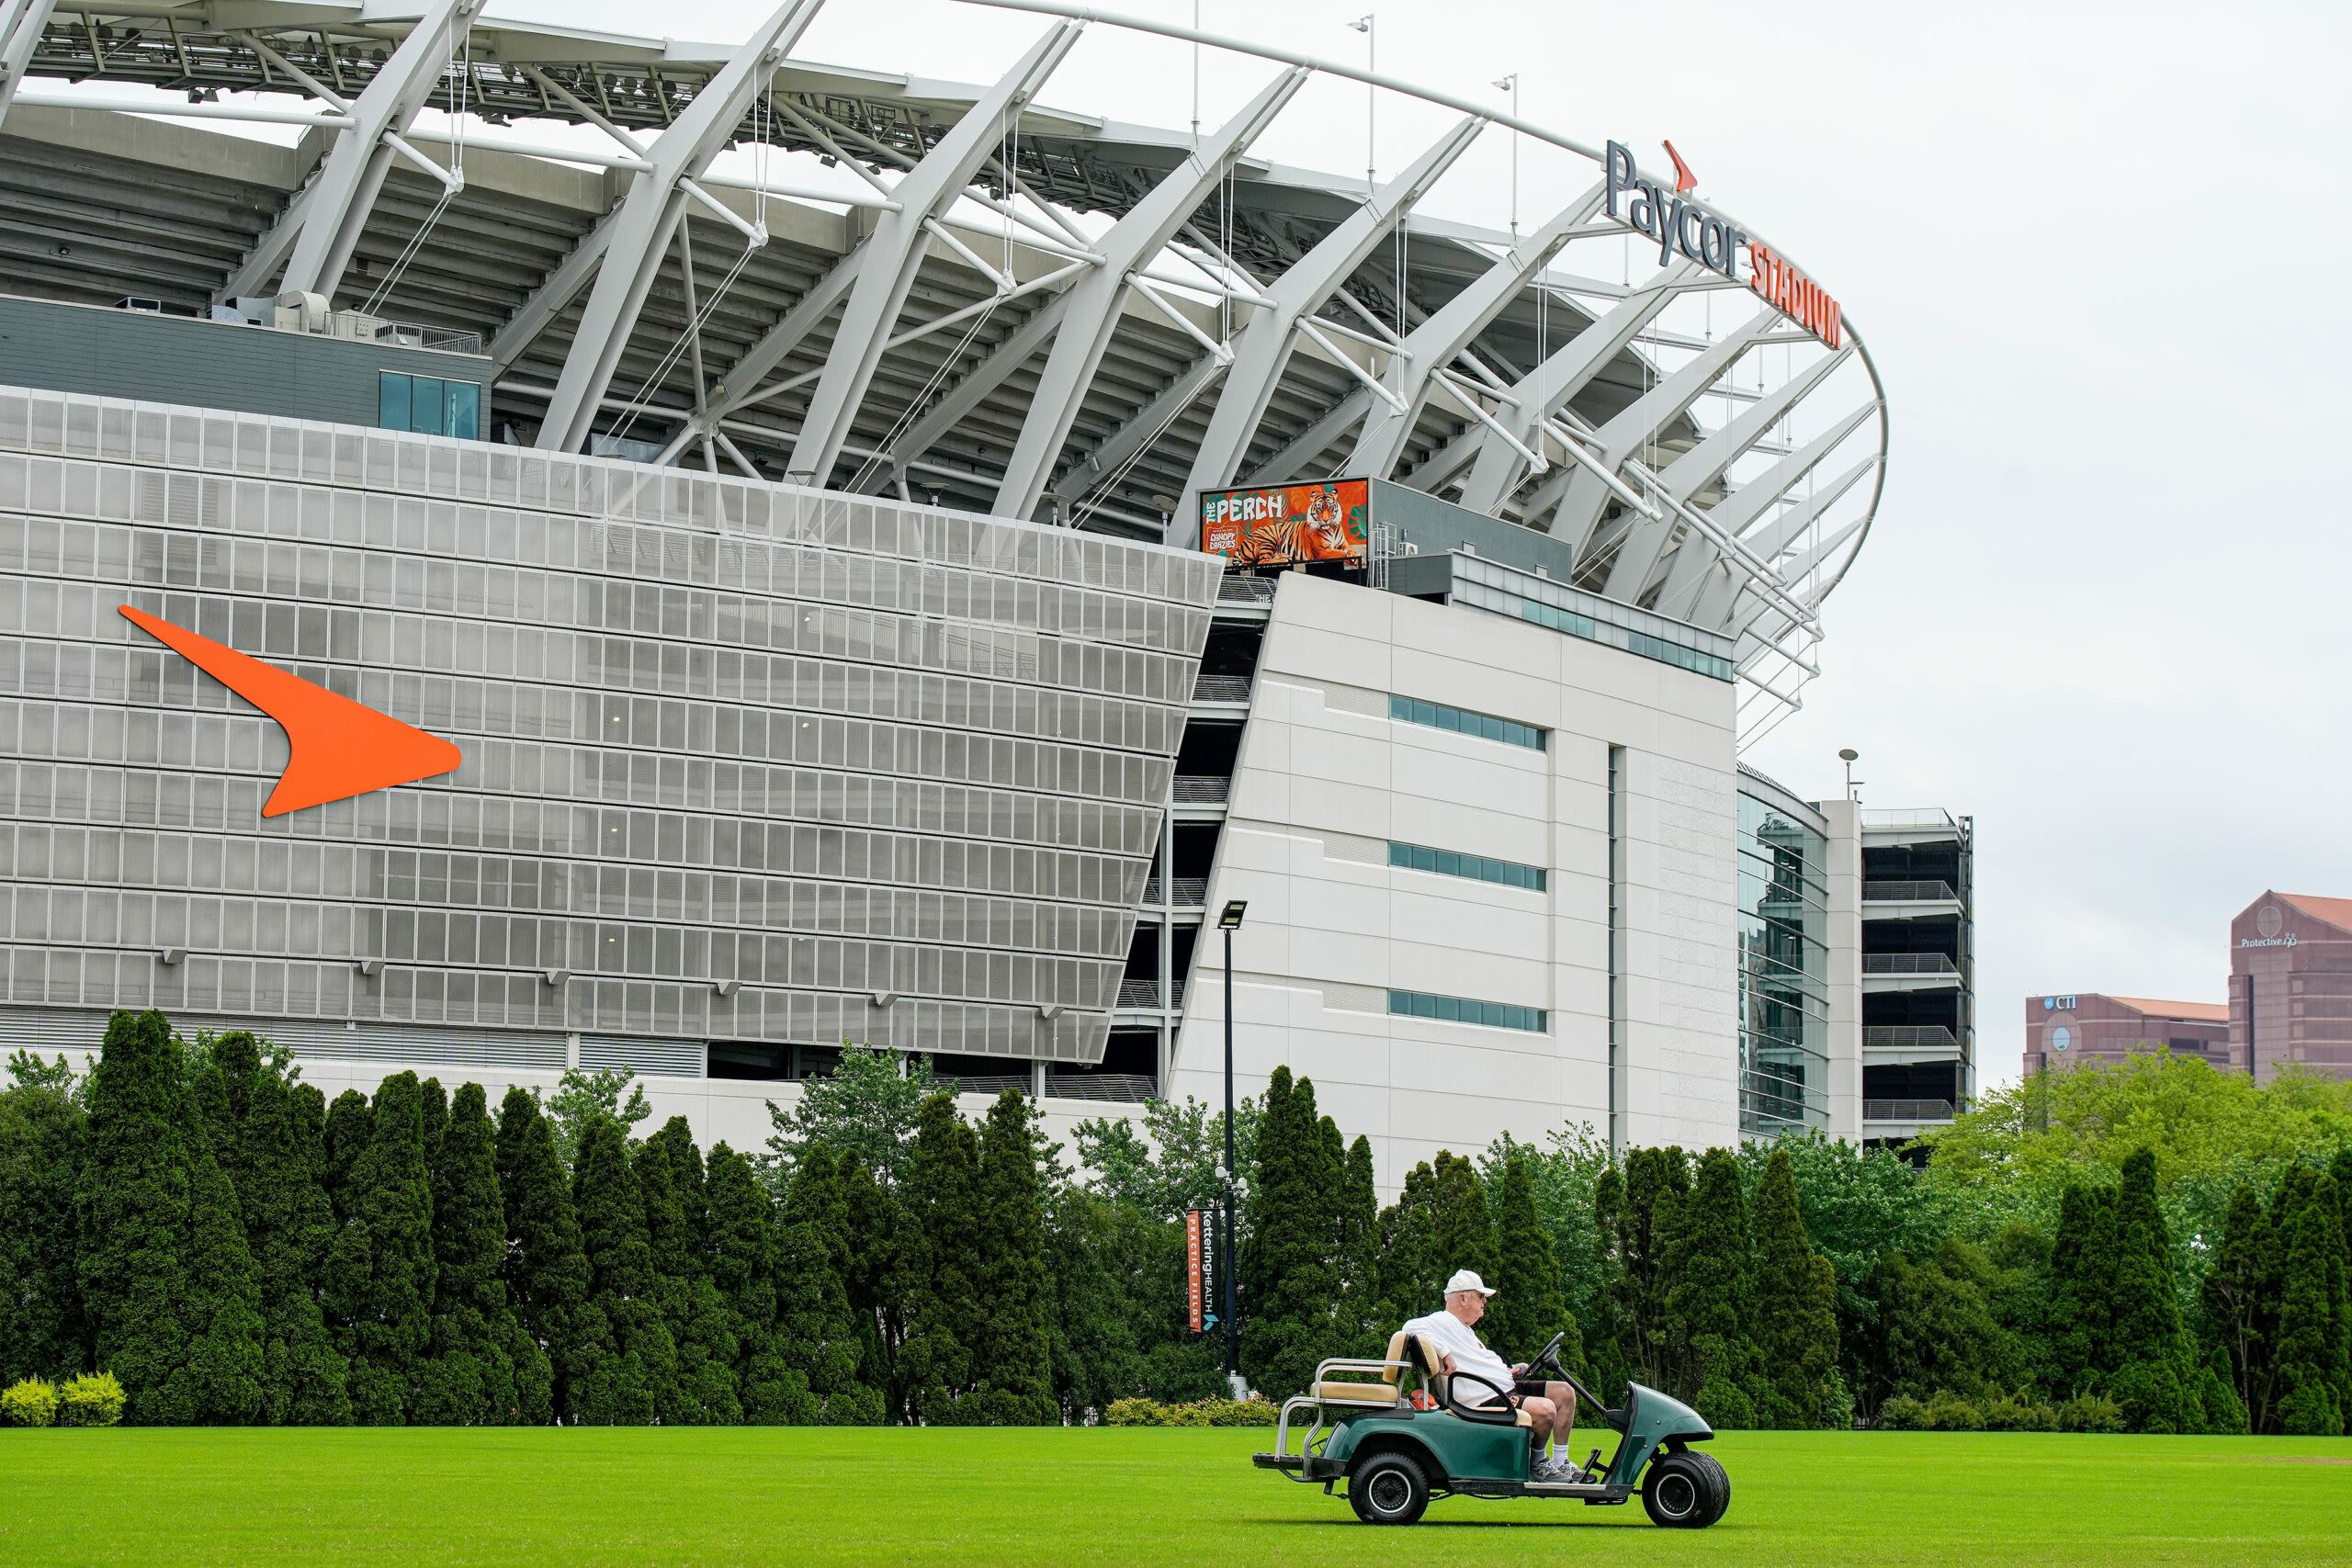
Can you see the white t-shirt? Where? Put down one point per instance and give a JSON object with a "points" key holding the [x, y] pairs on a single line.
{"points": [[1454, 1338]]}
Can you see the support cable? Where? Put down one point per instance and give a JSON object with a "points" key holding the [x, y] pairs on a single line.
{"points": [[449, 188]]}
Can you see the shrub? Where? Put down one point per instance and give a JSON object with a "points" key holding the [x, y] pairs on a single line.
{"points": [[1901, 1413], [94, 1399], [2090, 1413], [32, 1403], [1948, 1412], [2012, 1414], [1837, 1402], [1198, 1413]]}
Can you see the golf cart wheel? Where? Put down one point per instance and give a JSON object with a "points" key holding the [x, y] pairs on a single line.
{"points": [[1714, 1467], [1388, 1489], [1685, 1491]]}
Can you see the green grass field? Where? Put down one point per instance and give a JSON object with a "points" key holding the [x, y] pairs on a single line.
{"points": [[739, 1495]]}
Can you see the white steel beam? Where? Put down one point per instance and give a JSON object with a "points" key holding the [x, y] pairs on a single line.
{"points": [[1739, 511], [1433, 344], [1706, 463], [1090, 306], [637, 233], [21, 22], [926, 430], [1582, 498], [1262, 348], [336, 204], [1141, 430], [1755, 618], [1774, 537], [1548, 388], [892, 255]]}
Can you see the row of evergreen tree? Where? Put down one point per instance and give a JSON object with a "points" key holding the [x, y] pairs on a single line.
{"points": [[193, 1217], [1687, 1292]]}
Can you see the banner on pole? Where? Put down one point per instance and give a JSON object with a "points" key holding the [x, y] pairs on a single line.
{"points": [[1197, 1252]]}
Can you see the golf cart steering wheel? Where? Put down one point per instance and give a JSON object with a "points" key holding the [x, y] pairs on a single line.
{"points": [[1550, 1352]]}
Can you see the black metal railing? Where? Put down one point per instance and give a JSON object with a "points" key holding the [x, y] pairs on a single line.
{"points": [[1908, 963], [1125, 1088], [1906, 1111], [1188, 892], [1145, 993], [1908, 893], [1910, 1037]]}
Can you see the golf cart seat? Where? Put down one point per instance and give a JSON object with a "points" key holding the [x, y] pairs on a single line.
{"points": [[1416, 1351], [1333, 1380]]}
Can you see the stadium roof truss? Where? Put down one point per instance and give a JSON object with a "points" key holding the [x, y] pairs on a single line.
{"points": [[873, 282]]}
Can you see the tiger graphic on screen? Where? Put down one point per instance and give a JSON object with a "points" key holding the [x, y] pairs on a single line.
{"points": [[1321, 535]]}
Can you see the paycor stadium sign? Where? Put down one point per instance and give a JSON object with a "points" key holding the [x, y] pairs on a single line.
{"points": [[1680, 225]]}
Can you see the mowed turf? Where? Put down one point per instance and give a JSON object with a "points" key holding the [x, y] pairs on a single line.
{"points": [[747, 1496]]}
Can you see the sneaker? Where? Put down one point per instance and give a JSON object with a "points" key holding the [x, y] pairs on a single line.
{"points": [[1560, 1471]]}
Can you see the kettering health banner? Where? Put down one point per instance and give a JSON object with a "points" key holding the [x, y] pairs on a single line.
{"points": [[1279, 525]]}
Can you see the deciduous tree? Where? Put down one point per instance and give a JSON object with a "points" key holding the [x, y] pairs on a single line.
{"points": [[43, 1135]]}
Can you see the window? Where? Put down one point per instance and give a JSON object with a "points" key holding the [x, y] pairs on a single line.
{"points": [[1478, 868], [429, 405], [1466, 1009], [1462, 721], [1559, 620], [1686, 657]]}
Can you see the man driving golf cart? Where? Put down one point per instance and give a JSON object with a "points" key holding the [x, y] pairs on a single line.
{"points": [[1484, 1381]]}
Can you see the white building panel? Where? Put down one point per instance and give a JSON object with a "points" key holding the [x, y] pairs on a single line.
{"points": [[1328, 934]]}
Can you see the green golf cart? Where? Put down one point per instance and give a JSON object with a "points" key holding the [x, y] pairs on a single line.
{"points": [[1366, 1429]]}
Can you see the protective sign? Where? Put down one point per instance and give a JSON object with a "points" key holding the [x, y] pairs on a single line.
{"points": [[1276, 525]]}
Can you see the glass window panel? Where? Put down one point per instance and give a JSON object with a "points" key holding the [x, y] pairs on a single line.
{"points": [[393, 400], [464, 409]]}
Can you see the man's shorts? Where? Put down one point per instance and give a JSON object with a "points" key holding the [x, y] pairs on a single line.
{"points": [[1525, 1388]]}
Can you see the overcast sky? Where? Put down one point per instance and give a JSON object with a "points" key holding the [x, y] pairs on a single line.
{"points": [[2098, 253]]}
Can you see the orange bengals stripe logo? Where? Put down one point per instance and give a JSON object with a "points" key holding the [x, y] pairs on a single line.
{"points": [[337, 748]]}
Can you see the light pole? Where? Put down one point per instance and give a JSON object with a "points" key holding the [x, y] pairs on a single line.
{"points": [[1229, 922], [1849, 756], [1364, 25], [1510, 85]]}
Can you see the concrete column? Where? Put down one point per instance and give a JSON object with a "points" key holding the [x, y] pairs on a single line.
{"points": [[1843, 875]]}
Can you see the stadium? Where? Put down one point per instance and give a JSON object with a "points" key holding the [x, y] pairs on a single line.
{"points": [[901, 563]]}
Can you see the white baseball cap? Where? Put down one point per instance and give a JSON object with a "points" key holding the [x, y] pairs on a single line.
{"points": [[1467, 1280]]}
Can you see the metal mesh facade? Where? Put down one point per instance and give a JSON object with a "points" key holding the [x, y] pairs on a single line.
{"points": [[895, 773]]}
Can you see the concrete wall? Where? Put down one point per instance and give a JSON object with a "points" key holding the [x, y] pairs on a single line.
{"points": [[1844, 874], [1326, 780]]}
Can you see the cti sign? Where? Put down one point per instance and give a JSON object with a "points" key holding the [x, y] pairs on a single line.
{"points": [[1681, 225]]}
